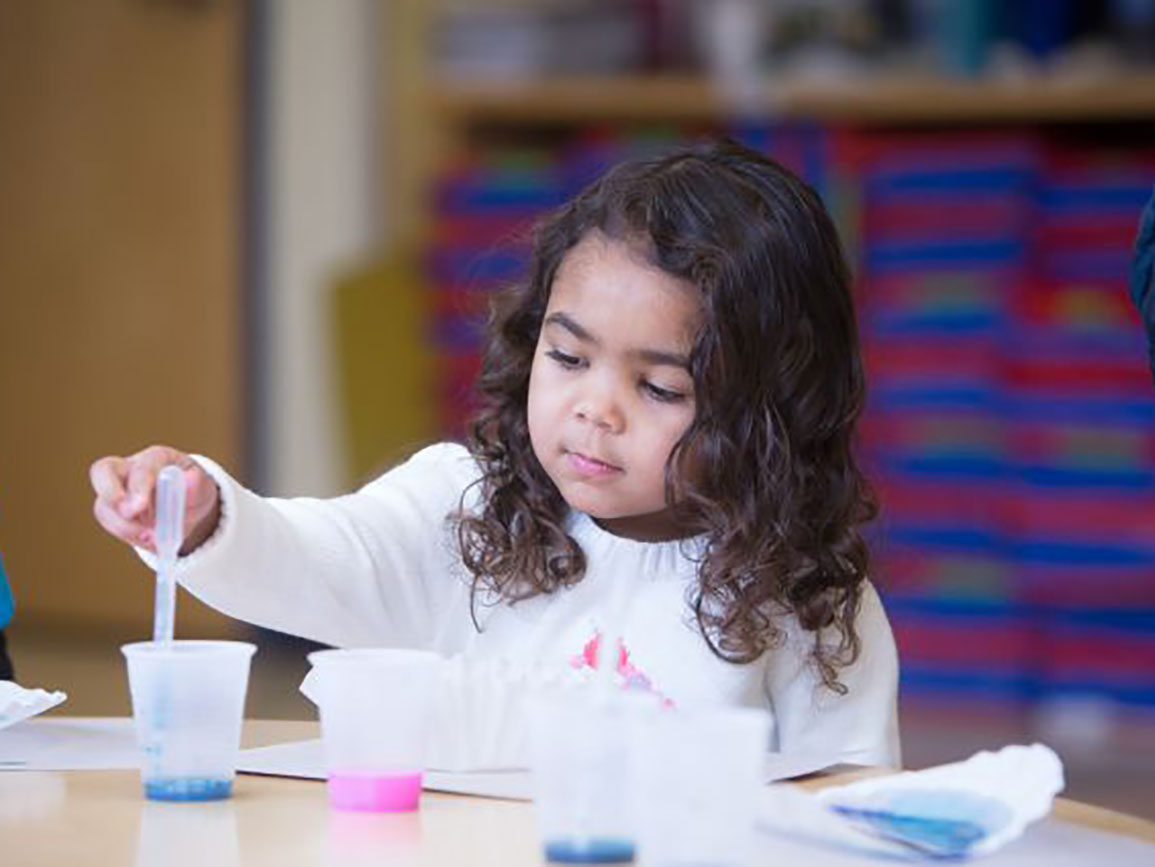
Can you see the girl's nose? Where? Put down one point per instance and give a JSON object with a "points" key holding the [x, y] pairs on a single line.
{"points": [[600, 409]]}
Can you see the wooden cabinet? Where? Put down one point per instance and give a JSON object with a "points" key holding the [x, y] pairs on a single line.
{"points": [[119, 279]]}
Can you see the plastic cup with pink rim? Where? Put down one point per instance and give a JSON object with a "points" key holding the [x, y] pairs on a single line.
{"points": [[374, 705]]}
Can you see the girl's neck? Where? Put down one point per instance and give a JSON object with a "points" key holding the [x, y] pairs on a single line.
{"points": [[654, 527]]}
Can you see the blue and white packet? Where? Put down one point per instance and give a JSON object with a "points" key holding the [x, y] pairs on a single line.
{"points": [[950, 812]]}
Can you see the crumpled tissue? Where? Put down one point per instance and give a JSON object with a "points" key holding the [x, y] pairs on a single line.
{"points": [[479, 718], [18, 703], [964, 809], [481, 712]]}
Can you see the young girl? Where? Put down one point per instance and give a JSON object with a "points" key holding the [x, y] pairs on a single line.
{"points": [[668, 405]]}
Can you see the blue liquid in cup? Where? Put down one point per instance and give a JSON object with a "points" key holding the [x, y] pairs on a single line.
{"points": [[595, 850], [188, 789]]}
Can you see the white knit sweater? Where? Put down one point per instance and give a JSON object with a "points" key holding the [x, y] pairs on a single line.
{"points": [[381, 567]]}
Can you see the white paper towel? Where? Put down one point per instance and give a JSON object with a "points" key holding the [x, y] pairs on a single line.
{"points": [[967, 808], [18, 703], [479, 715]]}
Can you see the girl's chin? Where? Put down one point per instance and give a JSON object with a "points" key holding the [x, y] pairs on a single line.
{"points": [[596, 507], [592, 506]]}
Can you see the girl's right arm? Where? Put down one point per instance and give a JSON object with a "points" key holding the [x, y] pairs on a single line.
{"points": [[372, 567]]}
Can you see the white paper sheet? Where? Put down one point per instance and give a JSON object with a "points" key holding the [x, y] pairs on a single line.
{"points": [[789, 766], [63, 744], [305, 759]]}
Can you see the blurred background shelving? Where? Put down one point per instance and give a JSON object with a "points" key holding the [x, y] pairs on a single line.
{"points": [[989, 206]]}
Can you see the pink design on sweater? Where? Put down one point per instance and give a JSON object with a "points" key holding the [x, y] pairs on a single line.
{"points": [[632, 677]]}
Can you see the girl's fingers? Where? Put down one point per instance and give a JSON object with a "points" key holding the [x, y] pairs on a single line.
{"points": [[141, 480], [107, 476], [143, 468], [128, 531]]}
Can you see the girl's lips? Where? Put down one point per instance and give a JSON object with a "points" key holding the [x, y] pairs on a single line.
{"points": [[587, 466]]}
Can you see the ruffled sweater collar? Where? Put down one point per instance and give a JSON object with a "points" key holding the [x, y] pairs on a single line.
{"points": [[678, 556]]}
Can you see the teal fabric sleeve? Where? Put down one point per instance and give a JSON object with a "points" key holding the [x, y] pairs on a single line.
{"points": [[1143, 275], [6, 603]]}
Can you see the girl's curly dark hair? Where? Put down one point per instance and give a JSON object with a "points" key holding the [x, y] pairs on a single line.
{"points": [[778, 385]]}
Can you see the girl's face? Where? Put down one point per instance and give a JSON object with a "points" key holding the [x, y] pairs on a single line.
{"points": [[610, 391]]}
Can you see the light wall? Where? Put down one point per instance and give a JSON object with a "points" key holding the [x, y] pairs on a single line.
{"points": [[321, 213]]}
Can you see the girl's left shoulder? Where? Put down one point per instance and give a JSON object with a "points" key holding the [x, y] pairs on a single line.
{"points": [[438, 472], [871, 625]]}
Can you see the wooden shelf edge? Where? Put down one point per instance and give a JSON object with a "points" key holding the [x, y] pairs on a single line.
{"points": [[889, 99]]}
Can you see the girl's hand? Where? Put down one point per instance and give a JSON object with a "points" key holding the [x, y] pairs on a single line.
{"points": [[125, 497]]}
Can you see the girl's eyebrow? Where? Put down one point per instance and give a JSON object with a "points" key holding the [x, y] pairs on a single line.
{"points": [[652, 356], [567, 322]]}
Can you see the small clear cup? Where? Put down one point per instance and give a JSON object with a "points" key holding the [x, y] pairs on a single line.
{"points": [[580, 741], [374, 705], [698, 777], [188, 702]]}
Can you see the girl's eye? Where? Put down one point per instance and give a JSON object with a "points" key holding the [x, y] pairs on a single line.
{"points": [[664, 395], [569, 362]]}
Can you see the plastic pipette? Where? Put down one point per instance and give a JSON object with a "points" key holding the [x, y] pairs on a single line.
{"points": [[169, 537]]}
